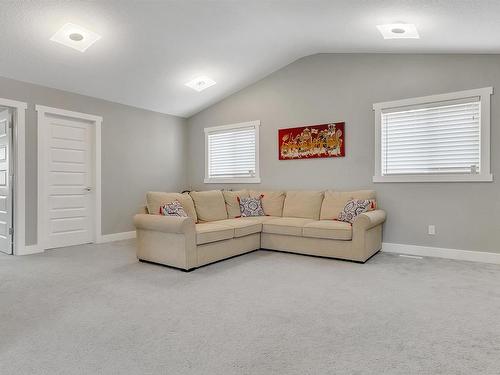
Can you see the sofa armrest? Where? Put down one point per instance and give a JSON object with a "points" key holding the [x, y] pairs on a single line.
{"points": [[369, 219], [168, 240], [166, 224], [367, 234]]}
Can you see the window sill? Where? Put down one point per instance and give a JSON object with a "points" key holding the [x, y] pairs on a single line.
{"points": [[436, 178], [249, 180]]}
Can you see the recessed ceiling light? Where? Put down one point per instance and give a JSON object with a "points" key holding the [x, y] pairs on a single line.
{"points": [[398, 31], [200, 83], [75, 36]]}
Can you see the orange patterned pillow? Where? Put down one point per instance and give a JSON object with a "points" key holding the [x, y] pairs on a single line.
{"points": [[355, 207], [173, 209]]}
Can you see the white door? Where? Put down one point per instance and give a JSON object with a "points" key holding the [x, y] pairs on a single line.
{"points": [[67, 187], [6, 229]]}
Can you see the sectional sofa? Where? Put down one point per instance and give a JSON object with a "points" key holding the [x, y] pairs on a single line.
{"points": [[296, 221]]}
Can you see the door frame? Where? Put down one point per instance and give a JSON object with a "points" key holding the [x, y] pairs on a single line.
{"points": [[19, 189], [95, 121]]}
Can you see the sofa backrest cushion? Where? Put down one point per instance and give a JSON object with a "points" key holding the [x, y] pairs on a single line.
{"points": [[335, 201], [210, 205], [232, 204], [272, 201], [304, 204], [154, 200]]}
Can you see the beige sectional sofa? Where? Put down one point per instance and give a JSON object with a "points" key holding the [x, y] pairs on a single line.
{"points": [[296, 221]]}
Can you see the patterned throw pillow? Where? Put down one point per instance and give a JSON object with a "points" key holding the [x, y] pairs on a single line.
{"points": [[251, 206], [173, 209], [355, 207]]}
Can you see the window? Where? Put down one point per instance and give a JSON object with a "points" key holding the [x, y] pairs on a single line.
{"points": [[232, 153], [437, 138]]}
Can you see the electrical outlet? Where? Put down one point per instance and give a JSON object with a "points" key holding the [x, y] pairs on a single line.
{"points": [[432, 230]]}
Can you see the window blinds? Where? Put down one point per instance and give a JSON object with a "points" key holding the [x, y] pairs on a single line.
{"points": [[435, 138], [231, 153]]}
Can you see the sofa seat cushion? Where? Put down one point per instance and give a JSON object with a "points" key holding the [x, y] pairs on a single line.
{"points": [[259, 219], [241, 226], [328, 229], [291, 226], [210, 232]]}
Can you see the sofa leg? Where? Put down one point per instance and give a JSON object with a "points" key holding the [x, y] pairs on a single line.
{"points": [[371, 257], [323, 257], [165, 265]]}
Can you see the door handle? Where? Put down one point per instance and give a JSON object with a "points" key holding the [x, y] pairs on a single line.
{"points": [[88, 188]]}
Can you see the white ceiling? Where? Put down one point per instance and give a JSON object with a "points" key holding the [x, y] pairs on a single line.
{"points": [[149, 49]]}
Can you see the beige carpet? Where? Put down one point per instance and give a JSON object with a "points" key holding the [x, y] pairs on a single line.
{"points": [[95, 310]]}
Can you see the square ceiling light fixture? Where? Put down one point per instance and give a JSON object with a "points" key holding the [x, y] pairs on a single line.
{"points": [[200, 83], [75, 36], [398, 31]]}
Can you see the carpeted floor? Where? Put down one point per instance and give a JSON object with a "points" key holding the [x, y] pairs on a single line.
{"points": [[95, 310]]}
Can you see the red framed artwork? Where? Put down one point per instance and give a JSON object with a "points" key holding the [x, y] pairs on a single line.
{"points": [[313, 141]]}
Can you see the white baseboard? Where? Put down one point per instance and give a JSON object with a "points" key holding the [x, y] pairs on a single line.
{"points": [[35, 249], [440, 252], [29, 249], [117, 236]]}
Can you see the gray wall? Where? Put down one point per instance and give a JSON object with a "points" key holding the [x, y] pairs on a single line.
{"points": [[336, 87], [141, 151]]}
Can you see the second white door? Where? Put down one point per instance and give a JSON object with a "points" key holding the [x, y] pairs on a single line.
{"points": [[6, 229], [67, 204]]}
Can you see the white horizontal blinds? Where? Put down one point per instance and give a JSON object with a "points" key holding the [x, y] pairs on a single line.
{"points": [[434, 138], [231, 153]]}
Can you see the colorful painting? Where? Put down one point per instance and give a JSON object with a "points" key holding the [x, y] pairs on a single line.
{"points": [[314, 141]]}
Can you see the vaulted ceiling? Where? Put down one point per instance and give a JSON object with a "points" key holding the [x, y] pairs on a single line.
{"points": [[149, 49]]}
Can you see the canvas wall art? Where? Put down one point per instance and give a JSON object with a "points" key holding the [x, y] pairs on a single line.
{"points": [[314, 141]]}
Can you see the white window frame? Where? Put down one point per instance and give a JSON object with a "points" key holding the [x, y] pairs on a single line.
{"points": [[485, 175], [241, 180]]}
